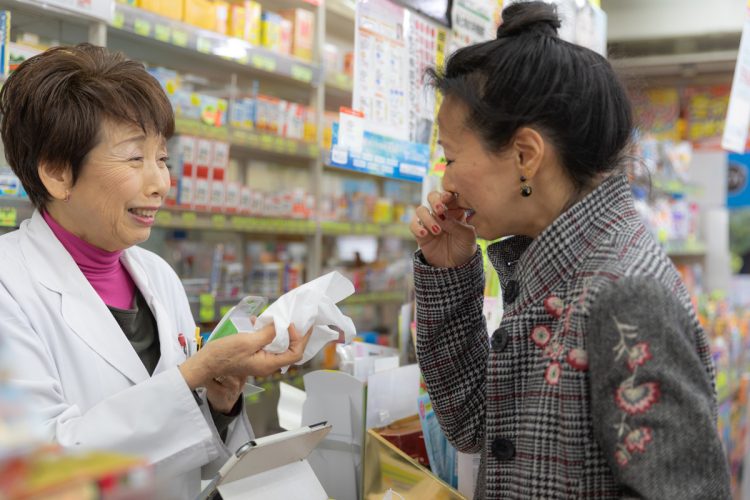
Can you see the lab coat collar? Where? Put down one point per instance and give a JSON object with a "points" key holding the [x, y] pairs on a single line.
{"points": [[82, 308]]}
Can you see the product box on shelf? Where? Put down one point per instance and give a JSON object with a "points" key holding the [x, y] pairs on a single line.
{"points": [[173, 9], [242, 114], [294, 121], [233, 202], [219, 163], [246, 200], [199, 107], [186, 186], [271, 31], [237, 20], [200, 13], [202, 174], [222, 17], [285, 36], [4, 42], [269, 113], [182, 149], [303, 29], [253, 22]]}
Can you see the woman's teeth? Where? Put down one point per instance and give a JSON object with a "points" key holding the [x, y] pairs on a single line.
{"points": [[142, 212], [469, 212]]}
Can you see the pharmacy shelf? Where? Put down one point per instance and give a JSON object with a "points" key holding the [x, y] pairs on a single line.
{"points": [[335, 228], [212, 46], [190, 219], [387, 297], [686, 251], [249, 139]]}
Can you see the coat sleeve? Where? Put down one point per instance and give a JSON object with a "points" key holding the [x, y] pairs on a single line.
{"points": [[652, 396], [453, 347]]}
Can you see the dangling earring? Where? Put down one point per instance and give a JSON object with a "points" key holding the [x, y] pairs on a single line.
{"points": [[525, 188], [67, 196]]}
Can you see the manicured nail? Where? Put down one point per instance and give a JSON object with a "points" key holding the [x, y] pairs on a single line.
{"points": [[436, 229], [441, 207], [442, 216], [422, 232]]}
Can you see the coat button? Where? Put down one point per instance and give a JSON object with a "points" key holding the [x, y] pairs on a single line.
{"points": [[510, 292], [503, 449], [500, 339]]}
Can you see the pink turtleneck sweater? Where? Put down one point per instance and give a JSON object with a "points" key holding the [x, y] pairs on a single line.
{"points": [[103, 269]]}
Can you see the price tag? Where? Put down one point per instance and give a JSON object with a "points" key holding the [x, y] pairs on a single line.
{"points": [[142, 27], [179, 38], [263, 62], [279, 144], [8, 216], [189, 218], [301, 73], [207, 309], [119, 20], [224, 310], [162, 33], [203, 45], [163, 218], [218, 221]]}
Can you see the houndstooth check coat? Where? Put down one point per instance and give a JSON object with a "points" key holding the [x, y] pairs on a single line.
{"points": [[598, 382]]}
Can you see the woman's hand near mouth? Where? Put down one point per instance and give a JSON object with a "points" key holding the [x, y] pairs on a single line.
{"points": [[443, 235]]}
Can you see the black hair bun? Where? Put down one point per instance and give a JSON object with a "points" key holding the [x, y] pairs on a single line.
{"points": [[529, 17]]}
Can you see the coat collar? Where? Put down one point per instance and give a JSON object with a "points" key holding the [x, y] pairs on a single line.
{"points": [[539, 264], [81, 307]]}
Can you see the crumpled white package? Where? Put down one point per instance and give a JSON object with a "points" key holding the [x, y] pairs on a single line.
{"points": [[310, 305]]}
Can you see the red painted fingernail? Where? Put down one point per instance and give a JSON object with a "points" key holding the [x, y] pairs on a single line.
{"points": [[442, 216], [436, 229], [422, 232]]}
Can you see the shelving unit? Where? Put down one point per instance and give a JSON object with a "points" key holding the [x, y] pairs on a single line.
{"points": [[226, 67]]}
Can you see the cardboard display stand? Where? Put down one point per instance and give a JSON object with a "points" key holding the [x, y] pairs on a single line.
{"points": [[272, 467]]}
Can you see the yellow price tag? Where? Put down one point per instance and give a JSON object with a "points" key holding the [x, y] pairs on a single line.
{"points": [[142, 27], [119, 20], [163, 218], [162, 33], [179, 38], [207, 310], [189, 218], [8, 216], [203, 45], [218, 221], [263, 62], [301, 73]]}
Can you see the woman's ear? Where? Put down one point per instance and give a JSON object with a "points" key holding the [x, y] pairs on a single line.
{"points": [[57, 180], [528, 148]]}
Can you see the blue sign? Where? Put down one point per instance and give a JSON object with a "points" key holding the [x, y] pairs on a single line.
{"points": [[738, 180], [383, 156]]}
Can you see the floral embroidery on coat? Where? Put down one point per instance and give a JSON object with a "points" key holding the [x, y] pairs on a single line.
{"points": [[632, 398]]}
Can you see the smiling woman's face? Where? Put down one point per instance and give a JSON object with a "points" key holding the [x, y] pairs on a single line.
{"points": [[487, 183], [121, 186]]}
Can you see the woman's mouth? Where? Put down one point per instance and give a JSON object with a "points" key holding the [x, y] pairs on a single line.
{"points": [[145, 216], [469, 212]]}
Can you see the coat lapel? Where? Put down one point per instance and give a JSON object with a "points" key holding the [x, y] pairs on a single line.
{"points": [[83, 311]]}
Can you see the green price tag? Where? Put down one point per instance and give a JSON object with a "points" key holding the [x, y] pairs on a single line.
{"points": [[203, 45], [279, 144], [224, 310], [254, 141], [189, 218], [8, 216], [162, 33], [119, 20], [263, 62], [341, 80], [163, 218], [207, 310], [302, 73], [142, 27], [179, 38], [218, 221]]}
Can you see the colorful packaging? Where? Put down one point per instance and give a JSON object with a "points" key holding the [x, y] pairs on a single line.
{"points": [[285, 38], [268, 113], [172, 9], [237, 21], [200, 13], [243, 114], [222, 16], [233, 203], [253, 23], [271, 31], [303, 30], [246, 200]]}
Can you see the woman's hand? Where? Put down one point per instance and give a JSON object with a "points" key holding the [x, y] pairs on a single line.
{"points": [[222, 392], [240, 356], [441, 231]]}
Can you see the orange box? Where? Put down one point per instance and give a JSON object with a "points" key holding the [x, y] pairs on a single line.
{"points": [[237, 21], [200, 13], [303, 32]]}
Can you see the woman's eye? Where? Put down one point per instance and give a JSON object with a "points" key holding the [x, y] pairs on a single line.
{"points": [[136, 158], [449, 162]]}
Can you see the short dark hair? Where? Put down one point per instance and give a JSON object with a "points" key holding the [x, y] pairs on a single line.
{"points": [[530, 77], [53, 106]]}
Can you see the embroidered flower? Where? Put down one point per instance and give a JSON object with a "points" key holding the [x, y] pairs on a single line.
{"points": [[622, 458], [541, 335], [554, 350], [552, 375], [638, 438], [578, 359], [554, 306], [636, 399], [638, 355]]}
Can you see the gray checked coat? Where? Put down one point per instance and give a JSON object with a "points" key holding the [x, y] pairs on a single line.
{"points": [[598, 382]]}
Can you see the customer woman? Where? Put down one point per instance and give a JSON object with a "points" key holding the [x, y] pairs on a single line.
{"points": [[96, 328], [599, 381]]}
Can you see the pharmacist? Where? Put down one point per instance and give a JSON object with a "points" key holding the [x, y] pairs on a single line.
{"points": [[98, 329]]}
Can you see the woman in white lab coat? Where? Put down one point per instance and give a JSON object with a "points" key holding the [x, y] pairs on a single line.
{"points": [[85, 130]]}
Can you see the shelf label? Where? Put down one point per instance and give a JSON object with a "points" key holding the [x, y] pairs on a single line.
{"points": [[179, 38], [218, 221], [189, 218], [263, 62], [119, 20], [142, 27], [207, 309], [162, 33], [302, 73], [8, 216], [203, 45], [163, 218]]}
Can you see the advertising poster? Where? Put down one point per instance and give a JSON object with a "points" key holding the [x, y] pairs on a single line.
{"points": [[738, 113], [657, 112], [706, 110]]}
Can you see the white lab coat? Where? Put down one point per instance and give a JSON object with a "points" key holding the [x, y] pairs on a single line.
{"points": [[84, 378]]}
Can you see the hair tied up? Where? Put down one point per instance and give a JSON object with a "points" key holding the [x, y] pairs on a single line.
{"points": [[523, 17]]}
